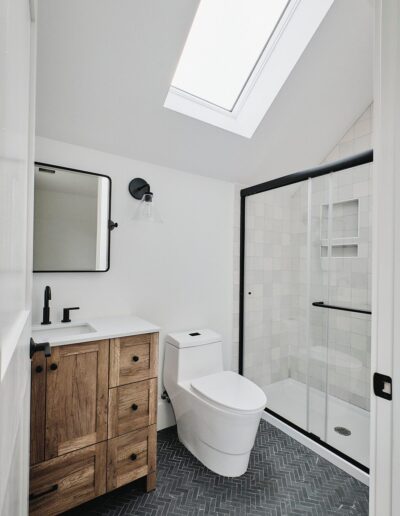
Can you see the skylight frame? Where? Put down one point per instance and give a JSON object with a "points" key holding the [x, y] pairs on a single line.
{"points": [[295, 29]]}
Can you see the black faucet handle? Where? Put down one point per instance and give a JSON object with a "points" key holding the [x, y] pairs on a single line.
{"points": [[66, 313]]}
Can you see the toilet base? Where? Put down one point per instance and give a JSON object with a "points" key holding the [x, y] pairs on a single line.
{"points": [[224, 464]]}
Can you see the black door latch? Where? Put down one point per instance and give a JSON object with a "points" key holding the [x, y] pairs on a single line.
{"points": [[41, 346], [383, 386]]}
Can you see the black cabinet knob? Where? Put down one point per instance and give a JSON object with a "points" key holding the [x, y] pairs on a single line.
{"points": [[53, 367], [133, 456], [39, 369], [135, 358], [134, 407]]}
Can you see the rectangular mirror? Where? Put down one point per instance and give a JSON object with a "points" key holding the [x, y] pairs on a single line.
{"points": [[71, 220]]}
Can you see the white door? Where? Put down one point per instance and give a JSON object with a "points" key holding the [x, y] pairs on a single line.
{"points": [[17, 71], [385, 414]]}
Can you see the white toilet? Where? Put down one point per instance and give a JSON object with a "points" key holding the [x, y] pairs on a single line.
{"points": [[217, 412]]}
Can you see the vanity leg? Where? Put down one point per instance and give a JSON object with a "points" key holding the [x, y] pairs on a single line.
{"points": [[151, 481]]}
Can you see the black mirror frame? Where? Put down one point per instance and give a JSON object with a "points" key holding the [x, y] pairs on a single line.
{"points": [[111, 225]]}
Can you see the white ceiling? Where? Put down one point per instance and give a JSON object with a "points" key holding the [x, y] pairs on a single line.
{"points": [[105, 66]]}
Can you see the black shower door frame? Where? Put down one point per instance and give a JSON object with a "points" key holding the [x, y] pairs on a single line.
{"points": [[336, 166]]}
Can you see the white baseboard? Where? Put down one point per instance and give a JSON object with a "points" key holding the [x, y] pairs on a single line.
{"points": [[165, 415], [355, 472]]}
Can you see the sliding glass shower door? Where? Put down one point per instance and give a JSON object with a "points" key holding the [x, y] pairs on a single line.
{"points": [[275, 313], [349, 330], [306, 298]]}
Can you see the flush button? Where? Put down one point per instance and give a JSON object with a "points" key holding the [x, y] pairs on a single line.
{"points": [[195, 334]]}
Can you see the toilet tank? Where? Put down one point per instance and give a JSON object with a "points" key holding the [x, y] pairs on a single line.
{"points": [[191, 354]]}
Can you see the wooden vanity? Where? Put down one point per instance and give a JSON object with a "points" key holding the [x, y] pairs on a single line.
{"points": [[93, 420]]}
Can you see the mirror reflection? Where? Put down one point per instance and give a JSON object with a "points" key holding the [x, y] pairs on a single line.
{"points": [[71, 214]]}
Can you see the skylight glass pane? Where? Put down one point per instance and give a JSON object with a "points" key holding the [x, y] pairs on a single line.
{"points": [[226, 39]]}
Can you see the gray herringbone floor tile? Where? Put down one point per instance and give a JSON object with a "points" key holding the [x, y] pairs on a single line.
{"points": [[284, 479]]}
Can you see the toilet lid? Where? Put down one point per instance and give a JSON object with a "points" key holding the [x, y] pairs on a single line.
{"points": [[231, 390]]}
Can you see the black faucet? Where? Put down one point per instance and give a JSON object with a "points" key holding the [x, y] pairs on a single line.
{"points": [[46, 308]]}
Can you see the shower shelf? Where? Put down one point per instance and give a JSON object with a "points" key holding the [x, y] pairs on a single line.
{"points": [[327, 355], [340, 251], [321, 304]]}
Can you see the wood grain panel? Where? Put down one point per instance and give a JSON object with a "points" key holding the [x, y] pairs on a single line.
{"points": [[131, 407], [133, 359], [131, 456], [64, 482], [77, 397], [38, 408]]}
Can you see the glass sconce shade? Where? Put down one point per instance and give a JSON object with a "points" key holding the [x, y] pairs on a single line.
{"points": [[146, 211]]}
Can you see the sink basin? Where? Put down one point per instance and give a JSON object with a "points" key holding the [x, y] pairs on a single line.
{"points": [[59, 332]]}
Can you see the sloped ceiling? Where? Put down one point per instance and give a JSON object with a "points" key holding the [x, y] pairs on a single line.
{"points": [[105, 66]]}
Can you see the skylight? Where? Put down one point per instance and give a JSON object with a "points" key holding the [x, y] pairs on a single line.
{"points": [[237, 57], [224, 44]]}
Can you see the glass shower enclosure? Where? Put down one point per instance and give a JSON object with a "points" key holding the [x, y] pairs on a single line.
{"points": [[305, 297]]}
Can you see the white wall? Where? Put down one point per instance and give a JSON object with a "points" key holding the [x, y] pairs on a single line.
{"points": [[177, 274]]}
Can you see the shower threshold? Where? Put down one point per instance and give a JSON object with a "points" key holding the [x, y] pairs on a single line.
{"points": [[288, 399]]}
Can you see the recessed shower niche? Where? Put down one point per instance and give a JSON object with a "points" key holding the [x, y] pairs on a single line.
{"points": [[340, 229]]}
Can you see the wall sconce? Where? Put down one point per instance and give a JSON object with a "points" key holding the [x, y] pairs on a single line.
{"points": [[146, 211]]}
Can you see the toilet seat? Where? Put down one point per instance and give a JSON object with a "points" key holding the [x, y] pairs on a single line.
{"points": [[231, 391]]}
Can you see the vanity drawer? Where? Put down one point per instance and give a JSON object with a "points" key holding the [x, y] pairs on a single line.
{"points": [[133, 359], [131, 407], [131, 456], [64, 482]]}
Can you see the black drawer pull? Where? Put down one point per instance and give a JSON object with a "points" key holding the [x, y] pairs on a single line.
{"points": [[51, 490], [39, 369], [133, 456], [135, 358], [53, 367], [134, 407]]}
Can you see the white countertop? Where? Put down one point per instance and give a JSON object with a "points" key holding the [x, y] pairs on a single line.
{"points": [[100, 328]]}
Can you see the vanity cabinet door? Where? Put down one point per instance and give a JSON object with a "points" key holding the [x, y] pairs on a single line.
{"points": [[76, 397], [133, 359]]}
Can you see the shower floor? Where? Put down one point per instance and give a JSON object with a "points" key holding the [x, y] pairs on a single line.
{"points": [[288, 398]]}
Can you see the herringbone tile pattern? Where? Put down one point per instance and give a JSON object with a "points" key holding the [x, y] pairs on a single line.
{"points": [[284, 478]]}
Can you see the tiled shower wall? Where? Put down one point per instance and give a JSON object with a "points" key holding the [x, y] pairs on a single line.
{"points": [[276, 265], [270, 299]]}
